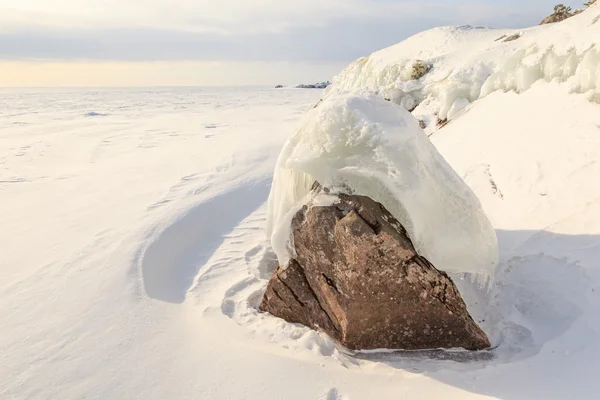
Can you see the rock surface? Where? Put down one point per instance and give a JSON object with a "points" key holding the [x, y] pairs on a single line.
{"points": [[357, 277], [320, 85], [560, 16]]}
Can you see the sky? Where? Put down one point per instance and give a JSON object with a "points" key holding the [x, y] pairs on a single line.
{"points": [[221, 42]]}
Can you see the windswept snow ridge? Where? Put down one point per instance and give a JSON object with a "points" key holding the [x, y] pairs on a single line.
{"points": [[365, 145]]}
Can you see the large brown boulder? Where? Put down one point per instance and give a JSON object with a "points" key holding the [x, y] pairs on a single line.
{"points": [[357, 277]]}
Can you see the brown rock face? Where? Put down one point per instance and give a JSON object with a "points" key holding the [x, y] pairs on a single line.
{"points": [[357, 277], [560, 16]]}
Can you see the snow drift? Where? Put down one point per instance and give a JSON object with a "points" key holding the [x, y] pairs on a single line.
{"points": [[362, 144]]}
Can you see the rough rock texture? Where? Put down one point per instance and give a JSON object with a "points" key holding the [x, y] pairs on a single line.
{"points": [[512, 38], [419, 70], [559, 16], [357, 276]]}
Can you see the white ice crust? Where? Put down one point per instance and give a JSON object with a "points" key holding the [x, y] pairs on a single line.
{"points": [[359, 143]]}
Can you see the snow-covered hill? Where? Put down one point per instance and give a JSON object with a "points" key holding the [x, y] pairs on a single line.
{"points": [[463, 58], [133, 249]]}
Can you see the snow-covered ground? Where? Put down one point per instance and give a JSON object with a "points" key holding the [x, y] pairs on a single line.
{"points": [[133, 249]]}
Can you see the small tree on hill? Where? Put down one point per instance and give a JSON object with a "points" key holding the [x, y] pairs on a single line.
{"points": [[562, 9], [589, 3]]}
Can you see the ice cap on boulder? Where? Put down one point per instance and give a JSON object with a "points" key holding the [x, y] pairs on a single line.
{"points": [[359, 143]]}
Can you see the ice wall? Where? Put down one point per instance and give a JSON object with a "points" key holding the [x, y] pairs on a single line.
{"points": [[521, 71]]}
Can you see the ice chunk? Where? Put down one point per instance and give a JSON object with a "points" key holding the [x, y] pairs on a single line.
{"points": [[366, 145], [458, 105]]}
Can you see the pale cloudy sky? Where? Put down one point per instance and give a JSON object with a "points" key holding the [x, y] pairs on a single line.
{"points": [[220, 42]]}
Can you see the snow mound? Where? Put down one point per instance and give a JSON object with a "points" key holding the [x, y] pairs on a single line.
{"points": [[362, 144], [467, 63]]}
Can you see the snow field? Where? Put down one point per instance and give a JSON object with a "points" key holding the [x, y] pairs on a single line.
{"points": [[133, 252]]}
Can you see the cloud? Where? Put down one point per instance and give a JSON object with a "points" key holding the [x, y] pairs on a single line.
{"points": [[234, 30]]}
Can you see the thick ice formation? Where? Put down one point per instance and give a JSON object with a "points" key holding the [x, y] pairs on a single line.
{"points": [[364, 144], [469, 63], [526, 67]]}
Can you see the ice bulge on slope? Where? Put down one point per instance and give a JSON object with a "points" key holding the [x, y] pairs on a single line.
{"points": [[359, 143]]}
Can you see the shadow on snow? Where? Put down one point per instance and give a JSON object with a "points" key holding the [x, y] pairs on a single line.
{"points": [[173, 260]]}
